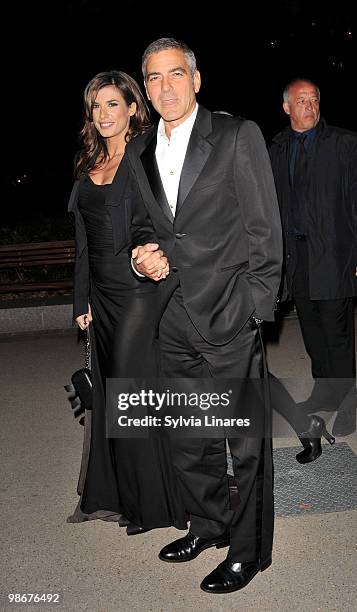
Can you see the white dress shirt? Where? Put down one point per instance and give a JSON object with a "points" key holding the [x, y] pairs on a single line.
{"points": [[170, 154]]}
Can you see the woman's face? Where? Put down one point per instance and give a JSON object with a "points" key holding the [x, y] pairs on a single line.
{"points": [[111, 114]]}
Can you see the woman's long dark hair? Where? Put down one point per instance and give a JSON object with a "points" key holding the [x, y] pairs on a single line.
{"points": [[94, 151]]}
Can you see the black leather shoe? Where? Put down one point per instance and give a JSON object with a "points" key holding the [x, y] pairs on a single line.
{"points": [[190, 547], [229, 576], [311, 440], [133, 529]]}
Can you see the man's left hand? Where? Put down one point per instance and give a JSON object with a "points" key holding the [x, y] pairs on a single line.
{"points": [[150, 260]]}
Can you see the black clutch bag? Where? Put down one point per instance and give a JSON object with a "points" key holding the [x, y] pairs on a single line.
{"points": [[81, 388]]}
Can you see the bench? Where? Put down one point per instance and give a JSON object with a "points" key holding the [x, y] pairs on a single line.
{"points": [[21, 257]]}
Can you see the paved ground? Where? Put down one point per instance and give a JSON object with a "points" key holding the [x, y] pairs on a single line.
{"points": [[95, 565]]}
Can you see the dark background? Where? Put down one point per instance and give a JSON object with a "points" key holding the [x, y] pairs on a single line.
{"points": [[246, 53]]}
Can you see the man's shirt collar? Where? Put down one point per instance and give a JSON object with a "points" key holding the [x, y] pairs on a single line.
{"points": [[181, 130]]}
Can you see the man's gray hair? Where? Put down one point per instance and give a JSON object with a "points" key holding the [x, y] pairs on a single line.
{"points": [[286, 92], [163, 44]]}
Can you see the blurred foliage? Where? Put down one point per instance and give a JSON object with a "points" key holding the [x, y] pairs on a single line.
{"points": [[38, 228], [43, 273]]}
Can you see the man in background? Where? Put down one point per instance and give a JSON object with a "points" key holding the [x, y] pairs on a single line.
{"points": [[315, 170]]}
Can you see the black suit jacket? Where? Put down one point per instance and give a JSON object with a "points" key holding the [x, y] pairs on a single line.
{"points": [[131, 225], [331, 210], [224, 244]]}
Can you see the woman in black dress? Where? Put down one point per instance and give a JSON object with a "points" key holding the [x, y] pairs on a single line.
{"points": [[131, 477]]}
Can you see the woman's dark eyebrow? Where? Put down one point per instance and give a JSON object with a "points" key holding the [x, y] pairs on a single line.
{"points": [[114, 100]]}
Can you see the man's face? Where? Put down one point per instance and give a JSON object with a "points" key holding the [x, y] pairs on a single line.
{"points": [[303, 106], [171, 87]]}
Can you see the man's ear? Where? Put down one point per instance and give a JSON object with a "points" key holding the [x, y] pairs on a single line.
{"points": [[147, 93], [197, 81], [286, 107]]}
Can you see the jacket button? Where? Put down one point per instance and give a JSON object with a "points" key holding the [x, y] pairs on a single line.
{"points": [[180, 235], [174, 269], [288, 256]]}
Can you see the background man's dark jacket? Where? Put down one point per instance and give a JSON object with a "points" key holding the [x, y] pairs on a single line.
{"points": [[331, 209]]}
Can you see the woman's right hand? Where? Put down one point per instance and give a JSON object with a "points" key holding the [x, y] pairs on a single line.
{"points": [[85, 320]]}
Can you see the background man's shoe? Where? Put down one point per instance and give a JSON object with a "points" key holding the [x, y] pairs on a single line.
{"points": [[345, 422], [311, 440], [230, 576], [190, 546]]}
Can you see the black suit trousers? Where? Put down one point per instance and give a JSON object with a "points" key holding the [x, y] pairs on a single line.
{"points": [[201, 463], [327, 328]]}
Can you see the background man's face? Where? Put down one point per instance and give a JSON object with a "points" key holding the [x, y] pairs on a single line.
{"points": [[170, 85], [303, 106]]}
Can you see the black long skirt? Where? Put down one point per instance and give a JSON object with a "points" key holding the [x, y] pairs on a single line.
{"points": [[133, 477]]}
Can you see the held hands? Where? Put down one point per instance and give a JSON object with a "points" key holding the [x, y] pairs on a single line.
{"points": [[85, 320], [150, 260]]}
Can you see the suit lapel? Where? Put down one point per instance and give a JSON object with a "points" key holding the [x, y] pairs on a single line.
{"points": [[135, 154], [198, 151], [149, 162]]}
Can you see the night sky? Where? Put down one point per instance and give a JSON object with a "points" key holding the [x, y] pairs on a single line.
{"points": [[246, 53]]}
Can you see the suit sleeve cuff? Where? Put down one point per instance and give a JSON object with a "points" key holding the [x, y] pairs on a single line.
{"points": [[134, 269]]}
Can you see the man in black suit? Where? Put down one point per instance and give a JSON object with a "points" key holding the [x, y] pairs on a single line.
{"points": [[315, 170], [207, 183]]}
